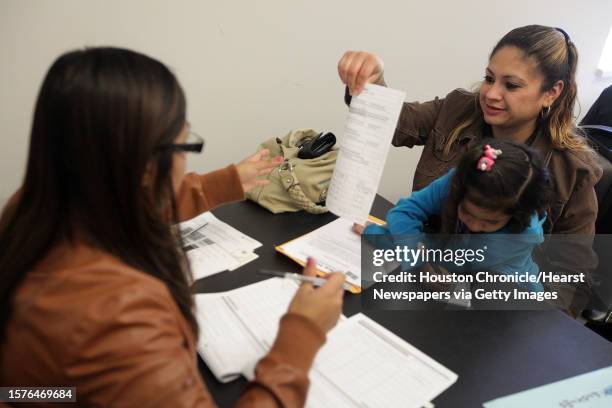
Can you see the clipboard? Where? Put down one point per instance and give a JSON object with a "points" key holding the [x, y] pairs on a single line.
{"points": [[280, 248]]}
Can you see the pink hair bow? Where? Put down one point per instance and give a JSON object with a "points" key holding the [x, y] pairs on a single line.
{"points": [[486, 161]]}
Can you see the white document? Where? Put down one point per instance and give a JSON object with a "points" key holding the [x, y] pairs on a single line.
{"points": [[334, 246], [361, 364], [365, 365], [214, 246], [238, 327], [369, 128]]}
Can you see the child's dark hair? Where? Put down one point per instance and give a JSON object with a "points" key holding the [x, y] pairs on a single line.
{"points": [[518, 184]]}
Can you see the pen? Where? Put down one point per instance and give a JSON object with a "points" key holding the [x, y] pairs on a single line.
{"points": [[301, 278], [195, 230]]}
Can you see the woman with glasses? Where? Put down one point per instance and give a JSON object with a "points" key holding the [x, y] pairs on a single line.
{"points": [[94, 285]]}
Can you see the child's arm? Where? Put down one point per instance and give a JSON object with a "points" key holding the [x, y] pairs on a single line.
{"points": [[410, 213]]}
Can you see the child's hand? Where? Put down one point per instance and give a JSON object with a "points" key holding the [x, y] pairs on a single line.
{"points": [[358, 228]]}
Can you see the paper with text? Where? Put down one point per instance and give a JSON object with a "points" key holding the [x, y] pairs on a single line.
{"points": [[239, 326], [334, 246], [214, 246], [361, 364], [368, 131], [365, 365]]}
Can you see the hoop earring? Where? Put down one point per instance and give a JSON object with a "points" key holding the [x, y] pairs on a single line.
{"points": [[545, 112]]}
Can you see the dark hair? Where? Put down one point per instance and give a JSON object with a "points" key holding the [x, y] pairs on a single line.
{"points": [[556, 58], [100, 117], [518, 184]]}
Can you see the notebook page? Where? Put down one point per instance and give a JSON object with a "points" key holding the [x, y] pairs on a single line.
{"points": [[368, 131], [365, 365]]}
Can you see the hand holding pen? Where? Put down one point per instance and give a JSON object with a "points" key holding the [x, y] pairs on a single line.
{"points": [[315, 280], [323, 305]]}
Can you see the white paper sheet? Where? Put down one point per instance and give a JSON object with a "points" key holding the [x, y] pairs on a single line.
{"points": [[238, 327], [361, 364], [334, 246], [365, 365], [369, 128], [214, 246]]}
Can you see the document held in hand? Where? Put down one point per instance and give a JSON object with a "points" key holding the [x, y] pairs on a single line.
{"points": [[368, 131], [362, 364]]}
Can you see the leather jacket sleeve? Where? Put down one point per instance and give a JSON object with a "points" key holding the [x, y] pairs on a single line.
{"points": [[570, 247], [203, 192], [132, 350]]}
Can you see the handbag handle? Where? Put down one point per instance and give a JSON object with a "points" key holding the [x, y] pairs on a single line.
{"points": [[292, 185]]}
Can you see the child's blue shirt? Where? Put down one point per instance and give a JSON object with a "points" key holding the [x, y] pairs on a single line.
{"points": [[503, 255]]}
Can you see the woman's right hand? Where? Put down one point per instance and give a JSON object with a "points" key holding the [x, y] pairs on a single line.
{"points": [[321, 305], [357, 68]]}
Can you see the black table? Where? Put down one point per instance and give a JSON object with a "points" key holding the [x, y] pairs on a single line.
{"points": [[495, 353]]}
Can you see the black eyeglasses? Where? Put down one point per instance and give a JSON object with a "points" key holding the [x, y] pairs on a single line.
{"points": [[194, 143]]}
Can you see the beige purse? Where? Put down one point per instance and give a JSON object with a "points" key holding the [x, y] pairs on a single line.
{"points": [[297, 184]]}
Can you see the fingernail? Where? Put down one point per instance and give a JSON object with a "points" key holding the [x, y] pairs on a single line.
{"points": [[310, 262]]}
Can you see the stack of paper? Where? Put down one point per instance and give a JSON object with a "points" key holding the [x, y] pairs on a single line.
{"points": [[361, 364], [213, 246]]}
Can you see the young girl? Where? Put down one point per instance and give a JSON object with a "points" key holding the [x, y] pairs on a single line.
{"points": [[499, 187]]}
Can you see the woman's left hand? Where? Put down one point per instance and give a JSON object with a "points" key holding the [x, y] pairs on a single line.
{"points": [[256, 165]]}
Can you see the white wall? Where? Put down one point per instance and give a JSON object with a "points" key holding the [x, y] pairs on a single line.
{"points": [[254, 69]]}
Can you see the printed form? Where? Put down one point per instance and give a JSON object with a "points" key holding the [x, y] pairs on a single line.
{"points": [[362, 364], [365, 365], [239, 326], [334, 246], [213, 246], [369, 128]]}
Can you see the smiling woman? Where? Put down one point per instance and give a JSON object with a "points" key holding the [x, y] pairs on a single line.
{"points": [[528, 96], [511, 95]]}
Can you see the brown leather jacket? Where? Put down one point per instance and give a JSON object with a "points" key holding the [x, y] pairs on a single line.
{"points": [[85, 319]]}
